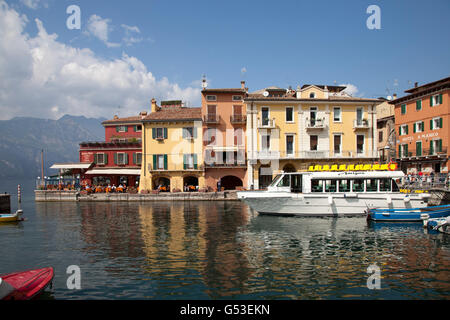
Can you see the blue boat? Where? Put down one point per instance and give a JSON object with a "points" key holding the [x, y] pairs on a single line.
{"points": [[439, 224], [408, 215]]}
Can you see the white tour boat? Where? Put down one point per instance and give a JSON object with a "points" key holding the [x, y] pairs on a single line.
{"points": [[332, 193]]}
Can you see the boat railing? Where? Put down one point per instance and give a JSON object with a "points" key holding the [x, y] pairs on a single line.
{"points": [[429, 181]]}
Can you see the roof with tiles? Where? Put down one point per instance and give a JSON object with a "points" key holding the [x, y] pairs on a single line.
{"points": [[174, 114]]}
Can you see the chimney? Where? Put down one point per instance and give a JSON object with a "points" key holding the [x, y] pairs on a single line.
{"points": [[243, 84], [416, 84], [116, 117], [394, 96], [154, 106], [143, 114]]}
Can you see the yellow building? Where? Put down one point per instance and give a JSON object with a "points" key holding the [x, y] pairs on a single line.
{"points": [[172, 158], [290, 130]]}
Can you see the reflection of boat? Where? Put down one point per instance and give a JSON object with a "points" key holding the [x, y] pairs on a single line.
{"points": [[439, 224], [415, 214], [25, 285], [11, 217], [332, 193]]}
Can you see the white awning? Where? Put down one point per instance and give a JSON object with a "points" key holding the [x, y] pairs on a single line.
{"points": [[71, 166], [119, 171], [225, 149]]}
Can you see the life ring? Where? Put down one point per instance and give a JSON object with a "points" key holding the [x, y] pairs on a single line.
{"points": [[392, 166]]}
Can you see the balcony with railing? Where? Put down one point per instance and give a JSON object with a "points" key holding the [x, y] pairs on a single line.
{"points": [[267, 155], [266, 123], [315, 124], [238, 119], [424, 153], [211, 118], [360, 124]]}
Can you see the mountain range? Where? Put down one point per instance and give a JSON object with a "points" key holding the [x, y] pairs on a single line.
{"points": [[23, 138]]}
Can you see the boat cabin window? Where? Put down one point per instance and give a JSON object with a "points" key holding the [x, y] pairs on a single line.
{"points": [[344, 185], [296, 183], [358, 185], [275, 180], [385, 184], [371, 185], [395, 186], [285, 181], [316, 185], [330, 185]]}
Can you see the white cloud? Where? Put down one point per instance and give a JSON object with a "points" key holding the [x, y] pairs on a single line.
{"points": [[100, 28], [43, 77], [351, 89], [129, 39], [32, 4]]}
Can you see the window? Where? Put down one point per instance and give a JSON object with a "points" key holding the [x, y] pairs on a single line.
{"points": [[159, 133], [289, 114], [265, 116], [385, 184], [285, 181], [418, 148], [330, 185], [289, 144], [435, 100], [435, 146], [403, 129], [380, 136], [190, 161], [418, 127], [138, 128], [419, 105], [403, 151], [121, 158], [359, 115], [337, 144], [237, 98], [371, 185], [403, 108], [211, 98], [360, 143], [313, 142], [160, 161], [312, 95], [435, 123], [137, 158], [344, 185], [121, 129], [238, 137], [188, 133], [101, 158], [313, 115], [337, 114], [316, 185], [265, 141], [358, 185]]}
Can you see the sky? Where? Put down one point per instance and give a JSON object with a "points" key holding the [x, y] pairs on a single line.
{"points": [[127, 52]]}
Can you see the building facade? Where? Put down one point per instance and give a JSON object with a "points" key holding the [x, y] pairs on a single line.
{"points": [[422, 126], [224, 130], [291, 130], [386, 133], [172, 149]]}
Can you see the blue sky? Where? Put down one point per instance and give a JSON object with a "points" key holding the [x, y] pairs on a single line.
{"points": [[278, 43]]}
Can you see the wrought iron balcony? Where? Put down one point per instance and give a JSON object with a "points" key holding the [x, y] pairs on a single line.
{"points": [[211, 118], [360, 124], [238, 119], [266, 123], [315, 123]]}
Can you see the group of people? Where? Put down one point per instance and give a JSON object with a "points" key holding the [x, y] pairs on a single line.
{"points": [[430, 180], [108, 189]]}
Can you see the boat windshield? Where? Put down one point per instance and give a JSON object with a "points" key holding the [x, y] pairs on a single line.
{"points": [[274, 181]]}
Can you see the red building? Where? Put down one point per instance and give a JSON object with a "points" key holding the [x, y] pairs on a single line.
{"points": [[117, 160]]}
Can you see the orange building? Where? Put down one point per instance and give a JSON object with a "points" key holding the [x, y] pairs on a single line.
{"points": [[224, 126], [422, 125]]}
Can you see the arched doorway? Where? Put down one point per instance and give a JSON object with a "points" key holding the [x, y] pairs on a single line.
{"points": [[162, 184], [230, 182], [190, 184], [289, 168]]}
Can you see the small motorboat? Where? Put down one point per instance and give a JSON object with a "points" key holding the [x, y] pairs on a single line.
{"points": [[439, 224], [408, 215], [11, 217], [25, 285]]}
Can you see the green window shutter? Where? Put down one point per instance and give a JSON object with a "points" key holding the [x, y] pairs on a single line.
{"points": [[154, 162], [418, 148], [440, 123], [431, 147], [134, 158], [431, 124], [165, 133], [407, 129], [195, 161], [440, 98], [414, 127], [105, 156], [431, 101], [153, 133], [135, 128], [126, 128], [126, 158], [418, 104], [165, 162], [406, 150], [184, 162], [95, 158], [423, 126], [403, 107], [399, 151], [115, 158], [440, 145], [117, 128]]}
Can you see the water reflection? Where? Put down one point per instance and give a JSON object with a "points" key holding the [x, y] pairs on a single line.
{"points": [[202, 250]]}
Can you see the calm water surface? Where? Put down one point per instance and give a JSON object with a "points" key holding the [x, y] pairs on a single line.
{"points": [[219, 250]]}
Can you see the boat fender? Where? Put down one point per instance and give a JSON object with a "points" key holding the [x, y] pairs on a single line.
{"points": [[407, 199], [389, 199], [330, 199]]}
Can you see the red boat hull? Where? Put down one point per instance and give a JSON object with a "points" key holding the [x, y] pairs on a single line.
{"points": [[28, 284]]}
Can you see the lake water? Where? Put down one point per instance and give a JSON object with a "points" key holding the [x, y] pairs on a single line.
{"points": [[219, 250]]}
